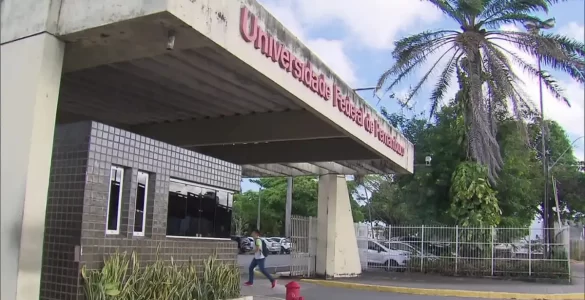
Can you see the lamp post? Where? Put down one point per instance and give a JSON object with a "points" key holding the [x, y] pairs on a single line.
{"points": [[554, 183], [427, 163], [259, 201], [534, 28], [562, 154], [288, 206], [376, 90]]}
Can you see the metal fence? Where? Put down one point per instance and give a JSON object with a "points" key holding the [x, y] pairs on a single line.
{"points": [[303, 246], [577, 248], [465, 251]]}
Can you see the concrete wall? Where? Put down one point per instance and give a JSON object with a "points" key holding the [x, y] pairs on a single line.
{"points": [[220, 22], [78, 199], [31, 72], [337, 249], [25, 18]]}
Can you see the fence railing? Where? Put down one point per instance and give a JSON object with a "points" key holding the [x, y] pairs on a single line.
{"points": [[465, 251], [577, 250]]}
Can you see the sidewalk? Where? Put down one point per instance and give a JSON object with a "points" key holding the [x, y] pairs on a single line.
{"points": [[423, 284], [261, 290]]}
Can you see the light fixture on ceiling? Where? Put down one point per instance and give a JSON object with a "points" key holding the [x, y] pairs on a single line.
{"points": [[171, 40]]}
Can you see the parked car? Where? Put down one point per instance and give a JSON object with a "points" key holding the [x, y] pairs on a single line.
{"points": [[379, 255], [273, 247], [431, 248], [244, 244], [284, 244], [414, 252], [392, 255]]}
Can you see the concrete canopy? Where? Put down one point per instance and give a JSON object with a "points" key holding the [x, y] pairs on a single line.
{"points": [[223, 90]]}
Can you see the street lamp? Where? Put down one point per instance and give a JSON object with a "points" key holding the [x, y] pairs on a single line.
{"points": [[428, 160], [258, 216], [376, 90], [554, 182], [562, 154], [534, 28]]}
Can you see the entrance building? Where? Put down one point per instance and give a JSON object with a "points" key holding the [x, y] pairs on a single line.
{"points": [[121, 118]]}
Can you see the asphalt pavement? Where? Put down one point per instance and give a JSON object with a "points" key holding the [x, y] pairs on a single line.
{"points": [[281, 263], [274, 263], [262, 291]]}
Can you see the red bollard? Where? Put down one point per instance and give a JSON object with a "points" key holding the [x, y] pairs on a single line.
{"points": [[293, 291]]}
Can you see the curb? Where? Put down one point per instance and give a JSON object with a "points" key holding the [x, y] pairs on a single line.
{"points": [[445, 292]]}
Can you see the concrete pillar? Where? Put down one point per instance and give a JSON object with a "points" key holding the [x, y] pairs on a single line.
{"points": [[31, 74], [337, 251]]}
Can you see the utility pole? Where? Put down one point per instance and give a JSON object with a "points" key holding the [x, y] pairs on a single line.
{"points": [[547, 223], [258, 216], [369, 203], [534, 28], [288, 207]]}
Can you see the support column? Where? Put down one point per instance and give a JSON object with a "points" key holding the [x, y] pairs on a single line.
{"points": [[288, 207], [31, 75], [337, 251]]}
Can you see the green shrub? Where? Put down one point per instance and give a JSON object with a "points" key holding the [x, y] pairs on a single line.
{"points": [[556, 268], [122, 278]]}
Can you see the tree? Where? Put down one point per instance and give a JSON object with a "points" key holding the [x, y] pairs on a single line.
{"points": [[426, 196], [566, 172], [272, 196], [481, 64], [520, 180]]}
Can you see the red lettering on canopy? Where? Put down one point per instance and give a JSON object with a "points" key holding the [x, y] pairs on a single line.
{"points": [[304, 73]]}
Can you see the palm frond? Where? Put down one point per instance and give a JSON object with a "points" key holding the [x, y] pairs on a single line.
{"points": [[549, 82], [501, 83], [443, 82], [496, 9], [420, 39], [410, 58], [509, 18], [417, 87], [555, 51], [448, 9]]}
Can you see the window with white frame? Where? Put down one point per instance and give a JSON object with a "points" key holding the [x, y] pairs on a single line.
{"points": [[141, 200], [115, 200]]}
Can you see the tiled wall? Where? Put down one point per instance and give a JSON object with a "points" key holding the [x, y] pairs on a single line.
{"points": [[64, 212], [106, 146]]}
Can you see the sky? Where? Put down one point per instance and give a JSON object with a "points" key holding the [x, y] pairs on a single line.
{"points": [[356, 41]]}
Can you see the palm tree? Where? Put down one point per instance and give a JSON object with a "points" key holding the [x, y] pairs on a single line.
{"points": [[483, 67]]}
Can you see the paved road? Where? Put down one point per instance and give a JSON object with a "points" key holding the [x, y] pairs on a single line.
{"points": [[274, 263], [277, 260], [346, 294], [280, 263], [261, 291]]}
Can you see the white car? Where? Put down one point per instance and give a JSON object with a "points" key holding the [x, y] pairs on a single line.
{"points": [[391, 255], [284, 244], [379, 255], [273, 247]]}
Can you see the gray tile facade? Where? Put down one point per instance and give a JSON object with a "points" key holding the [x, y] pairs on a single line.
{"points": [[78, 200]]}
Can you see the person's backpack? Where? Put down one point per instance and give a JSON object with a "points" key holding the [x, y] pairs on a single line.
{"points": [[265, 251]]}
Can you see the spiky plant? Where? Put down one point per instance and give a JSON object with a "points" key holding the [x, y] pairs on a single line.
{"points": [[483, 67]]}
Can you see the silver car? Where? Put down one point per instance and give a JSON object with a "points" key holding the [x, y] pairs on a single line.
{"points": [[284, 244], [273, 247]]}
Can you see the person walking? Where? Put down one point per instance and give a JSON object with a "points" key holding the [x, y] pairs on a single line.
{"points": [[260, 254]]}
